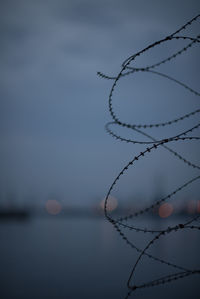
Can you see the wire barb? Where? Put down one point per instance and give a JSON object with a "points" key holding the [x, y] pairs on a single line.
{"points": [[121, 224]]}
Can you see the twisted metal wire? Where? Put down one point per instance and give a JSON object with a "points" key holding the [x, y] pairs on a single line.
{"points": [[121, 224]]}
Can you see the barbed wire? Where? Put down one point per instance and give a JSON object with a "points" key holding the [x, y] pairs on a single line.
{"points": [[121, 224]]}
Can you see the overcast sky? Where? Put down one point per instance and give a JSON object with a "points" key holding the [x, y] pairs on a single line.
{"points": [[53, 107]]}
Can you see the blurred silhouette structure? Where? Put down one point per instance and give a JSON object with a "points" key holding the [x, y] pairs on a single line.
{"points": [[122, 224]]}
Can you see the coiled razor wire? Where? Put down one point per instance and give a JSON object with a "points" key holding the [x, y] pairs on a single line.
{"points": [[122, 223]]}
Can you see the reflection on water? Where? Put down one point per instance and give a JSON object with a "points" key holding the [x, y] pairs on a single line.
{"points": [[85, 258]]}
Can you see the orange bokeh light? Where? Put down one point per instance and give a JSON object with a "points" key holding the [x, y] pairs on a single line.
{"points": [[165, 210], [192, 206], [111, 203], [53, 207]]}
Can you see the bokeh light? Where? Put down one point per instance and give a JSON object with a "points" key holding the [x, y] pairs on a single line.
{"points": [[112, 203], [53, 207], [165, 210], [192, 206]]}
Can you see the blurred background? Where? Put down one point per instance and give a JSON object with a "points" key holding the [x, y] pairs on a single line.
{"points": [[57, 161]]}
